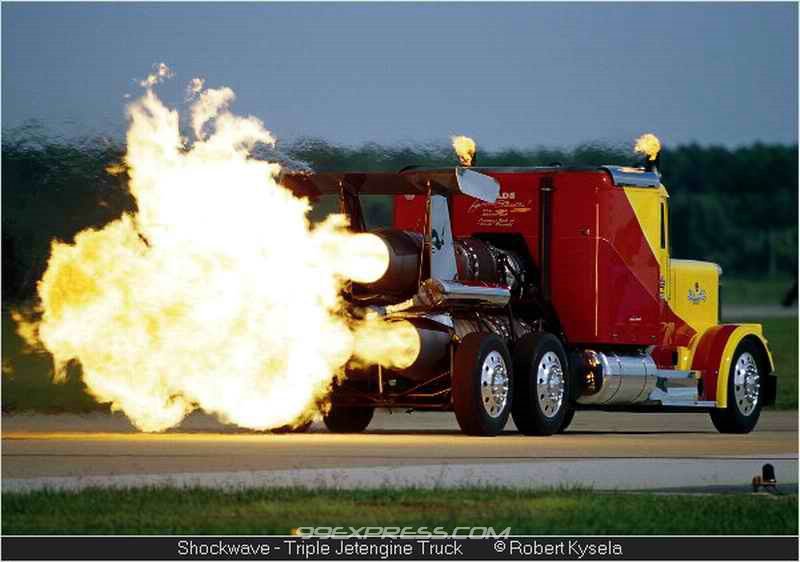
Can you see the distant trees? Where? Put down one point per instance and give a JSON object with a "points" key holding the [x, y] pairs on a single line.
{"points": [[736, 207]]}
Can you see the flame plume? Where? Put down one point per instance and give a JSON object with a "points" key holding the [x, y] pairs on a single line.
{"points": [[217, 293], [465, 149], [649, 145]]}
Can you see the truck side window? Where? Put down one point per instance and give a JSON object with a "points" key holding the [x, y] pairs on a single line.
{"points": [[663, 229]]}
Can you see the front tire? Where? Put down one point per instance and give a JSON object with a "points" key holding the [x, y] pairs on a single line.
{"points": [[348, 419], [482, 384], [541, 400], [567, 420], [744, 392]]}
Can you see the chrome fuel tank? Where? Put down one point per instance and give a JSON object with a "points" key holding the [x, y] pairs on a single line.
{"points": [[618, 379]]}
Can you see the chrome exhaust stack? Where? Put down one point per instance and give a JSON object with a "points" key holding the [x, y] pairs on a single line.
{"points": [[438, 292]]}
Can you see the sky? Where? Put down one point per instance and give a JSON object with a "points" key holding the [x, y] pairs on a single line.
{"points": [[510, 75]]}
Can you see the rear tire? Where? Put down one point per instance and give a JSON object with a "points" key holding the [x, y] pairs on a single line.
{"points": [[745, 395], [482, 384], [543, 386], [348, 419]]}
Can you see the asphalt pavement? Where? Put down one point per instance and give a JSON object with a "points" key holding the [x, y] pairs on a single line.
{"points": [[618, 451]]}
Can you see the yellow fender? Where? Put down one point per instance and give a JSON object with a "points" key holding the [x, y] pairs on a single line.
{"points": [[736, 337]]}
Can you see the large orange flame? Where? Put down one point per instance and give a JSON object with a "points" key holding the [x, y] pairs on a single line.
{"points": [[217, 294]]}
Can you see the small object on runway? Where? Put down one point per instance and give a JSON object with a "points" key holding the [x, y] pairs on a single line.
{"points": [[766, 480]]}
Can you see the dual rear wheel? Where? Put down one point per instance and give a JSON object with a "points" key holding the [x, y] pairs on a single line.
{"points": [[489, 385], [482, 382]]}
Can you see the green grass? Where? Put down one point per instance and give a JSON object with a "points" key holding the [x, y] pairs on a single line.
{"points": [[754, 291], [278, 511], [782, 336]]}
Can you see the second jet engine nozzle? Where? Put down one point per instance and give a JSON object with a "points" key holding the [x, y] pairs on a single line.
{"points": [[433, 351]]}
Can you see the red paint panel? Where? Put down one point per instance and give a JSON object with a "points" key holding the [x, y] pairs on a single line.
{"points": [[674, 333], [708, 355], [573, 253], [572, 286], [674, 330], [624, 234], [629, 300], [628, 312], [515, 211], [409, 212], [664, 357]]}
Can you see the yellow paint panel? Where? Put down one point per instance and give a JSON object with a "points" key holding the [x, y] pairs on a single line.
{"points": [[646, 204], [686, 355], [695, 293]]}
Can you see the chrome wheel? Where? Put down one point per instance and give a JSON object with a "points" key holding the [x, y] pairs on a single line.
{"points": [[494, 384], [746, 383], [550, 384]]}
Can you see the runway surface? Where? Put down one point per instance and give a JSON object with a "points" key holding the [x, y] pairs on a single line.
{"points": [[602, 450]]}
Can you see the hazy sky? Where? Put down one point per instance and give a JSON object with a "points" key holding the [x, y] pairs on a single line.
{"points": [[507, 74]]}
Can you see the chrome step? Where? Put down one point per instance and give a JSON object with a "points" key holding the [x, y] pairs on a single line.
{"points": [[678, 389]]}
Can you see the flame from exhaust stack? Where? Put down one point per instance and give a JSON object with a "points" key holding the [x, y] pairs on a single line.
{"points": [[217, 294], [649, 145], [160, 73], [465, 149]]}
